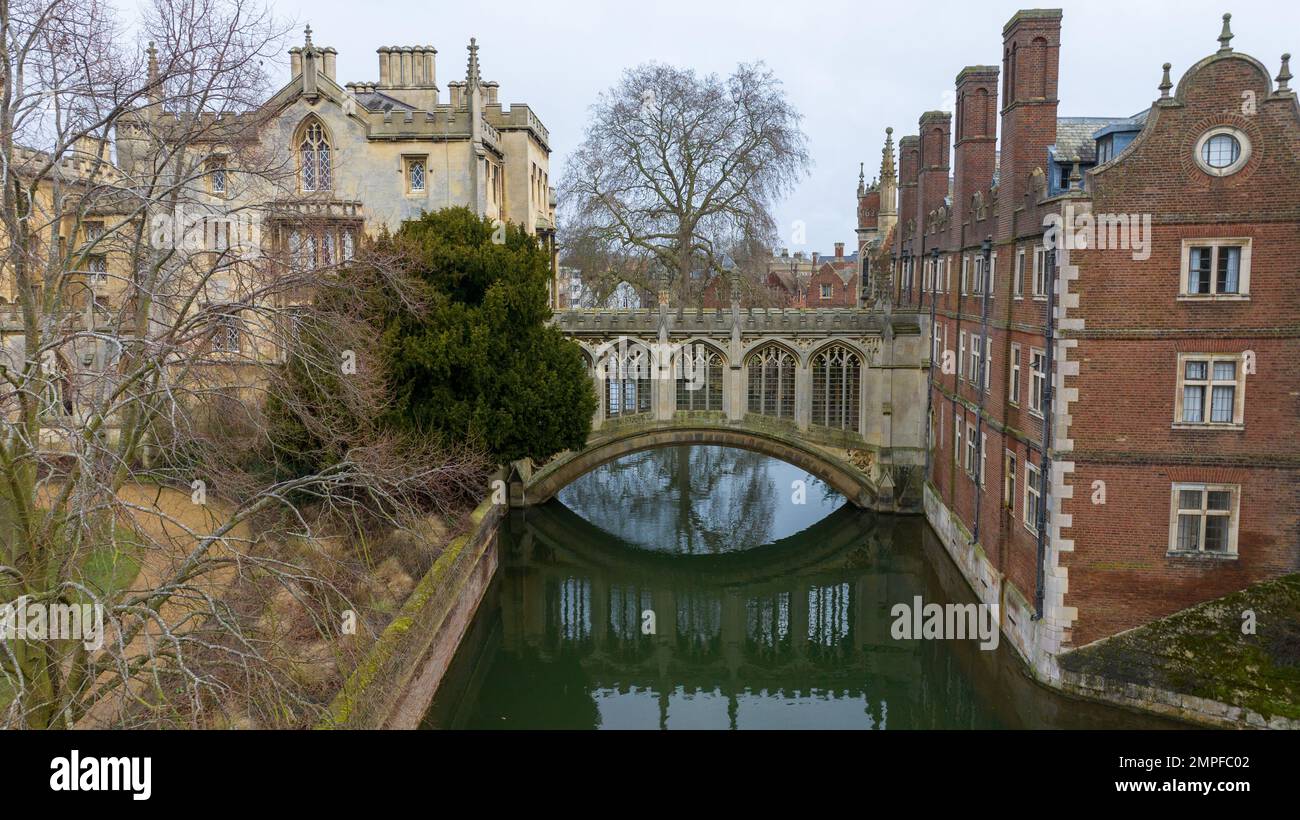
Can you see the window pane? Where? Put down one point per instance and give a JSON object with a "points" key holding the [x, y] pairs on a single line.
{"points": [[1222, 403], [1193, 401], [1225, 371], [1220, 151], [1219, 500], [1198, 276], [1196, 370], [1189, 532], [1216, 533], [1229, 264], [1189, 499]]}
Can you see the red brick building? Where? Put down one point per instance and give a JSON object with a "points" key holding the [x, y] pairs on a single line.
{"points": [[834, 282], [1164, 246]]}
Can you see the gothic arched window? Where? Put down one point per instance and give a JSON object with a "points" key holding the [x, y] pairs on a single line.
{"points": [[771, 382], [699, 379], [627, 382], [837, 374], [315, 160]]}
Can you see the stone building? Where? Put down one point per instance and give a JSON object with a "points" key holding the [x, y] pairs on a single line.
{"points": [[1111, 373], [359, 157], [877, 215]]}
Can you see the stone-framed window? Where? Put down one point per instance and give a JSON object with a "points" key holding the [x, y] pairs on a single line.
{"points": [[837, 380], [699, 384], [1211, 391], [1040, 273], [415, 171], [227, 333], [1033, 496], [1037, 380], [216, 174], [1018, 284], [1013, 381], [1203, 519], [771, 382], [315, 157], [1009, 481], [1214, 269], [1222, 151], [627, 382], [97, 267], [827, 291]]}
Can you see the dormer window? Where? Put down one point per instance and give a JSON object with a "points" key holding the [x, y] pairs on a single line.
{"points": [[315, 159]]}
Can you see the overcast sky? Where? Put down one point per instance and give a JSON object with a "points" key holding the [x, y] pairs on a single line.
{"points": [[851, 68]]}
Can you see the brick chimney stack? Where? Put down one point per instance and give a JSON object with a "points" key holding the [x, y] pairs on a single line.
{"points": [[935, 128], [975, 146], [1030, 63], [839, 250], [909, 162]]}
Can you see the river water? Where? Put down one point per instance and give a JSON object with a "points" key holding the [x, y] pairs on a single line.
{"points": [[711, 587]]}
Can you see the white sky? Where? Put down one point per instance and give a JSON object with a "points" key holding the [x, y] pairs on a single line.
{"points": [[851, 68]]}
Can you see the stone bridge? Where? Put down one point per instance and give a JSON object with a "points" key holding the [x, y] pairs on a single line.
{"points": [[840, 393]]}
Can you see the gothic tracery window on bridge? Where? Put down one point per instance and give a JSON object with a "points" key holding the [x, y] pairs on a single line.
{"points": [[699, 380], [837, 377], [771, 382], [627, 382]]}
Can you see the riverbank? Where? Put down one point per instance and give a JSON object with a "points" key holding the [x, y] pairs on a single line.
{"points": [[1233, 662], [392, 686]]}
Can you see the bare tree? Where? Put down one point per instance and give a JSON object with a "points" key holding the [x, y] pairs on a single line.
{"points": [[676, 170], [160, 303]]}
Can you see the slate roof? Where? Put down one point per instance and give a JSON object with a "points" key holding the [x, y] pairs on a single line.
{"points": [[379, 101]]}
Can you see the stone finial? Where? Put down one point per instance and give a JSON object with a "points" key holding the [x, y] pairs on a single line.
{"points": [[307, 35], [1225, 36], [1284, 76], [862, 178], [1166, 83], [1076, 178], [153, 84], [887, 156], [471, 69]]}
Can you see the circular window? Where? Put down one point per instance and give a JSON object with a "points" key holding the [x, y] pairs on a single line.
{"points": [[1222, 151]]}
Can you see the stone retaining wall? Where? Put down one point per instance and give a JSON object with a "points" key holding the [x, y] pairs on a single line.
{"points": [[394, 684]]}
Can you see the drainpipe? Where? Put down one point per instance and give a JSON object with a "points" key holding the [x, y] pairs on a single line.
{"points": [[986, 251], [929, 375], [1045, 459]]}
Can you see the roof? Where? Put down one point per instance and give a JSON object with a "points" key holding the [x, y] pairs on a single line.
{"points": [[1133, 123], [379, 101], [1074, 138]]}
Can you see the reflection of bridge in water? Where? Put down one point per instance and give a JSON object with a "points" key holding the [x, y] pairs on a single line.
{"points": [[795, 633], [798, 618]]}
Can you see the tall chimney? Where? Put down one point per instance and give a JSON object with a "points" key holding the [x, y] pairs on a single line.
{"points": [[295, 61], [329, 62], [975, 147], [383, 66], [932, 183], [839, 250], [909, 163], [1030, 65]]}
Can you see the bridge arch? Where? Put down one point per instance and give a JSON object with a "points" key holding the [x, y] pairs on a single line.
{"points": [[846, 478]]}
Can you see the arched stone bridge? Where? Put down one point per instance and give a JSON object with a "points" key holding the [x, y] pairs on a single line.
{"points": [[840, 393]]}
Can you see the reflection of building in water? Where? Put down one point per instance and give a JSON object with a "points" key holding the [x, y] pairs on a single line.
{"points": [[699, 621], [829, 611], [569, 609], [767, 627]]}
